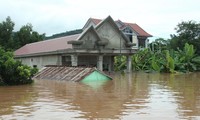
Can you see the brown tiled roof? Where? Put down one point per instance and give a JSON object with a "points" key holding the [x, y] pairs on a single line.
{"points": [[138, 29], [96, 21], [46, 45], [134, 26], [64, 73]]}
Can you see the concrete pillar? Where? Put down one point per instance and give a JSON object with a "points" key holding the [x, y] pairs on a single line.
{"points": [[135, 40], [146, 43], [112, 63], [31, 62], [129, 63], [109, 63], [100, 62], [59, 60], [74, 60]]}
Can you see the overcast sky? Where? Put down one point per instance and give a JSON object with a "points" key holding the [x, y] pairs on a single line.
{"points": [[157, 17]]}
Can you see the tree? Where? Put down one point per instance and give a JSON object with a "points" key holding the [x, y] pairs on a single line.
{"points": [[26, 35], [187, 32], [72, 32], [10, 40], [188, 61], [159, 44], [6, 33], [13, 72]]}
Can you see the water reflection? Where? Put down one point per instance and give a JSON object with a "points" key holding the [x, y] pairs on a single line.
{"points": [[187, 88], [16, 97], [108, 101], [128, 96]]}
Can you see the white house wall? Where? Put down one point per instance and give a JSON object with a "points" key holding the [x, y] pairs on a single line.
{"points": [[109, 32], [41, 61], [90, 23], [89, 40]]}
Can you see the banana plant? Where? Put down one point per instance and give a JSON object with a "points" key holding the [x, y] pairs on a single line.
{"points": [[186, 58], [169, 62], [163, 61], [120, 63], [155, 64], [142, 60]]}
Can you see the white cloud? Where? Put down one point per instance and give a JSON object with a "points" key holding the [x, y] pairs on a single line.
{"points": [[158, 17]]}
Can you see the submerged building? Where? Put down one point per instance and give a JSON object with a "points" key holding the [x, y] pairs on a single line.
{"points": [[96, 46], [75, 74]]}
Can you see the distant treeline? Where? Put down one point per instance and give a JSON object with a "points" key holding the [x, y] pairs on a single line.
{"points": [[72, 32], [12, 40]]}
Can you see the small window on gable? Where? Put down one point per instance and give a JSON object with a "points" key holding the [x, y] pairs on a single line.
{"points": [[127, 30]]}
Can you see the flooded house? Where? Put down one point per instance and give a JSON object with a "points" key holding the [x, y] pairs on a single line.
{"points": [[75, 74], [96, 46]]}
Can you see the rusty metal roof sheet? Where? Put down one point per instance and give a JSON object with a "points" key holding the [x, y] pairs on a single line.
{"points": [[65, 73]]}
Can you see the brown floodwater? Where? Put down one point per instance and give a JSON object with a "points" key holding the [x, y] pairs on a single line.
{"points": [[139, 96]]}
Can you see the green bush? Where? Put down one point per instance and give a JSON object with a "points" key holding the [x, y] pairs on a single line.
{"points": [[13, 72]]}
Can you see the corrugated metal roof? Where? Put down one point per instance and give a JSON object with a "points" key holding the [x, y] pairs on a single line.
{"points": [[46, 45], [65, 73]]}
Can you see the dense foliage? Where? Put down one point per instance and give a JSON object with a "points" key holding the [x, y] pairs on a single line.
{"points": [[187, 32], [6, 34], [26, 35], [78, 31], [10, 40], [120, 63], [13, 72], [163, 60]]}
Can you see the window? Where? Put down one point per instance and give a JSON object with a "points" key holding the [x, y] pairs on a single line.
{"points": [[34, 66], [127, 31], [66, 60], [130, 38]]}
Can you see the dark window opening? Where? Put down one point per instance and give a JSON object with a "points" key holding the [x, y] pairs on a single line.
{"points": [[34, 66], [131, 38], [66, 60]]}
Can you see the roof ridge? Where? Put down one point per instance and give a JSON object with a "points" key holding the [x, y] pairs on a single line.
{"points": [[129, 23], [114, 20], [109, 18], [95, 18], [52, 39]]}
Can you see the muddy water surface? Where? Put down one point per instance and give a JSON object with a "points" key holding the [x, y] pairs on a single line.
{"points": [[132, 96]]}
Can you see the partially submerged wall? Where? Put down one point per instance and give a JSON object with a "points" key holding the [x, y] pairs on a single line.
{"points": [[41, 61]]}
